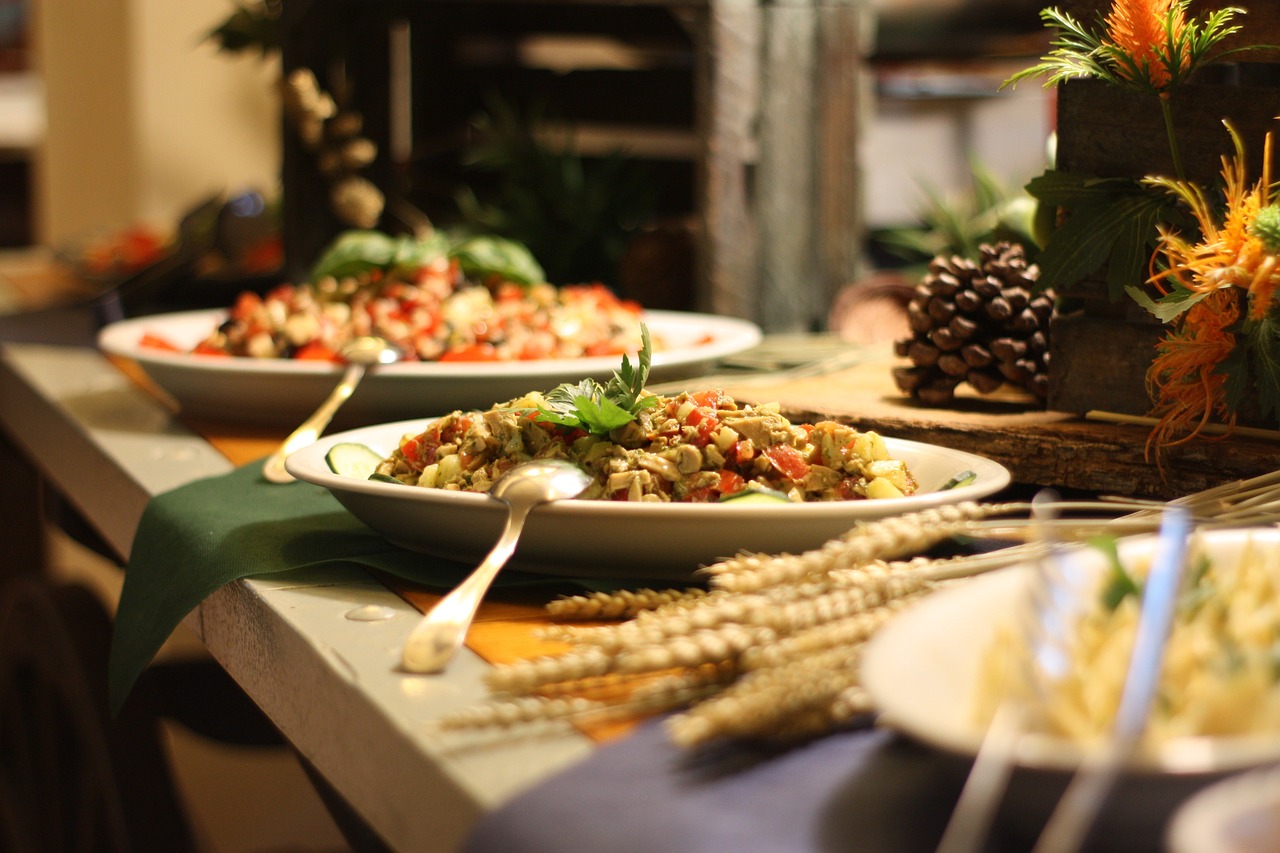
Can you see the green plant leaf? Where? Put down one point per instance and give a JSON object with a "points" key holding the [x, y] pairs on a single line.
{"points": [[1131, 251], [1168, 307], [600, 409], [1261, 344], [1119, 584], [480, 257], [1110, 222], [359, 251]]}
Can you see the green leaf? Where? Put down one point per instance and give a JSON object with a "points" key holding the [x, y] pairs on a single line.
{"points": [[1104, 227], [1261, 342], [1068, 189], [481, 257], [353, 252], [600, 409], [1119, 584], [1168, 307], [602, 417], [360, 251], [1235, 367], [1131, 251]]}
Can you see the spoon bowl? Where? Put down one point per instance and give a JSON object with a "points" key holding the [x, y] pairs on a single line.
{"points": [[439, 634], [359, 354]]}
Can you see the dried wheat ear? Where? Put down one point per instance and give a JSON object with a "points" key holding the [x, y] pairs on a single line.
{"points": [[770, 649]]}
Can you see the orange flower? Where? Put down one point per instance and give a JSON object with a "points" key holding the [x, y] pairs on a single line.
{"points": [[1143, 29], [1240, 252], [1234, 260], [1183, 379]]}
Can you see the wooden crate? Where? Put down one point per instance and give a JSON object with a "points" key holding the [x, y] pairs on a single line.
{"points": [[768, 99], [1100, 349]]}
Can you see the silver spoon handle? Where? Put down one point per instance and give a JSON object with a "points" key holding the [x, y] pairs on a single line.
{"points": [[1075, 813], [438, 636], [310, 429]]}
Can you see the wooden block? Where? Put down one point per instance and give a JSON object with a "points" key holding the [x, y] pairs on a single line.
{"points": [[1100, 363]]}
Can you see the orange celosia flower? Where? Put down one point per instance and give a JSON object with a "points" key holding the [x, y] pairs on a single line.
{"points": [[1183, 379], [1233, 261], [1138, 27]]}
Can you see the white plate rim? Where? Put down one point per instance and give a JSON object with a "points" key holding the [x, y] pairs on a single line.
{"points": [[898, 641]]}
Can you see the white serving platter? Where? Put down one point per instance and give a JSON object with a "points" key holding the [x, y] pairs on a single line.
{"points": [[282, 392], [620, 539], [923, 672]]}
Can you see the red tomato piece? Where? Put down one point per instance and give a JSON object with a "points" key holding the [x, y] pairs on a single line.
{"points": [[471, 352], [150, 340], [789, 461], [315, 351], [731, 482]]}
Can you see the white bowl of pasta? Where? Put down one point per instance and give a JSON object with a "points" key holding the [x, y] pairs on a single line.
{"points": [[934, 674]]}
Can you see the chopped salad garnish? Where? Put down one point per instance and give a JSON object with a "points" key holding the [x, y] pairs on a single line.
{"points": [[480, 299], [600, 409], [639, 446]]}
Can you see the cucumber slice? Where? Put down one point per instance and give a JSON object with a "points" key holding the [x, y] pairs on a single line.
{"points": [[349, 459], [756, 496], [964, 478]]}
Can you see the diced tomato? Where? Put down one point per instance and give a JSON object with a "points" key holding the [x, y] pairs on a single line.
{"points": [[847, 489], [315, 351], [471, 352], [710, 399], [420, 450], [704, 494], [731, 482], [204, 348], [246, 303], [150, 340], [787, 460], [535, 348], [602, 348]]}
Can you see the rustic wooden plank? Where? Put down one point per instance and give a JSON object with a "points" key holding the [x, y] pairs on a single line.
{"points": [[1101, 363], [1104, 131], [785, 180], [1041, 448], [846, 106], [728, 87]]}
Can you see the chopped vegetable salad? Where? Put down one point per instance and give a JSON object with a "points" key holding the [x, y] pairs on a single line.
{"points": [[691, 447]]}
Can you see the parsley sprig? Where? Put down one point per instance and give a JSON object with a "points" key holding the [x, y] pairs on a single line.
{"points": [[600, 409]]}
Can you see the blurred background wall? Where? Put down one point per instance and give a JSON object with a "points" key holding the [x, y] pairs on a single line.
{"points": [[142, 116]]}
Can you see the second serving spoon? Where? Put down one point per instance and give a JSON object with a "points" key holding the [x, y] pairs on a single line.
{"points": [[359, 354], [439, 634]]}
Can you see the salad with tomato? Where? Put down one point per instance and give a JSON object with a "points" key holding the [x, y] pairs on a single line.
{"points": [[481, 299], [637, 446]]}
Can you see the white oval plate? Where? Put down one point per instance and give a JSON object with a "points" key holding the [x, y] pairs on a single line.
{"points": [[922, 671], [923, 668], [619, 539], [284, 392]]}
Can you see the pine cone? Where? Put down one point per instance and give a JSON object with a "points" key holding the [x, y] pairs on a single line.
{"points": [[981, 323]]}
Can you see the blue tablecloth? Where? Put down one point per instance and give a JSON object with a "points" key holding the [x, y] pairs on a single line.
{"points": [[862, 790]]}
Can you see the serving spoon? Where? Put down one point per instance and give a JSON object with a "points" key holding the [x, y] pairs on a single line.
{"points": [[438, 636], [359, 354]]}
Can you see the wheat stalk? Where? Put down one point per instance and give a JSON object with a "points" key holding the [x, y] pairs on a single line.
{"points": [[771, 649]]}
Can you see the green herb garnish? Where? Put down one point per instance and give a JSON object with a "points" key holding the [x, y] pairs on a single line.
{"points": [[361, 251], [1120, 584], [600, 409]]}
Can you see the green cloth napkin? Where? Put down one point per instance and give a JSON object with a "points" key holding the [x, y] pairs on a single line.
{"points": [[198, 537]]}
